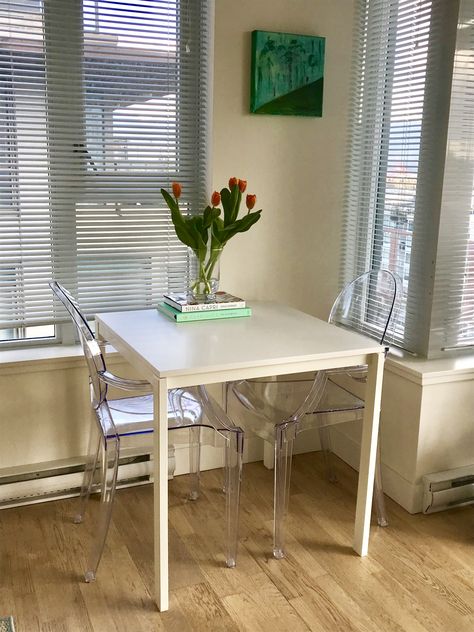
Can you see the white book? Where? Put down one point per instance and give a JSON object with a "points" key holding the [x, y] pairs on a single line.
{"points": [[184, 303]]}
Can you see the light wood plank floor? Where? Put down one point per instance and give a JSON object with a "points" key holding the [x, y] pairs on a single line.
{"points": [[418, 577]]}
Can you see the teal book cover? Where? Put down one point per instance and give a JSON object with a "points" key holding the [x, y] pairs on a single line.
{"points": [[180, 317]]}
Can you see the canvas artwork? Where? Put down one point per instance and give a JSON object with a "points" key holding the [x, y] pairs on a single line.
{"points": [[287, 74]]}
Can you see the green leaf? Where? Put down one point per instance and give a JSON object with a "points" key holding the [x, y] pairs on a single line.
{"points": [[185, 235], [170, 201], [226, 205], [235, 198], [240, 226], [201, 230], [231, 204], [177, 218], [217, 229], [197, 222], [189, 230], [210, 214], [206, 216], [200, 237]]}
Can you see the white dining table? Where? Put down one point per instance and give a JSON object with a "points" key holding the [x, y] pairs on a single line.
{"points": [[274, 340]]}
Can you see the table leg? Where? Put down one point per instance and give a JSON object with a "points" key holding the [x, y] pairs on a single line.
{"points": [[160, 442], [368, 453]]}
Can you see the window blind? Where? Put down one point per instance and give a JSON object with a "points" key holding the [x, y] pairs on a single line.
{"points": [[102, 103], [403, 62], [453, 300]]}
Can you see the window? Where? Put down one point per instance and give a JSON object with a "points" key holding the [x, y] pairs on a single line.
{"points": [[411, 156], [453, 303], [102, 103]]}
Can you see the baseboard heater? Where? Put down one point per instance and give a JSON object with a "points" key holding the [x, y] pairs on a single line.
{"points": [[64, 481], [445, 490]]}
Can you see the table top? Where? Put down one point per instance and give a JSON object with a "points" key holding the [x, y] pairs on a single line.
{"points": [[274, 335]]}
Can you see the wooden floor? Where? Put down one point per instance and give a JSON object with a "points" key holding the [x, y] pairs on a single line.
{"points": [[418, 577]]}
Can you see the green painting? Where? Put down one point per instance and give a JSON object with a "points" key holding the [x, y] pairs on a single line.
{"points": [[287, 74]]}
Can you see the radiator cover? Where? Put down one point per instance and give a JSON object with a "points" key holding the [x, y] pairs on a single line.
{"points": [[63, 481], [448, 489]]}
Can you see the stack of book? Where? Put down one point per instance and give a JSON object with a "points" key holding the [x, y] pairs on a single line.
{"points": [[182, 308]]}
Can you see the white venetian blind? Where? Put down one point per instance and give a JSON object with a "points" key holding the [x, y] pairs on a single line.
{"points": [[397, 149], [453, 304], [102, 103]]}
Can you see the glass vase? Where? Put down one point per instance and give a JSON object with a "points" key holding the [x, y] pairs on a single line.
{"points": [[205, 281]]}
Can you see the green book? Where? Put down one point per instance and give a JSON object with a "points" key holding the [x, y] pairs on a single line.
{"points": [[180, 317]]}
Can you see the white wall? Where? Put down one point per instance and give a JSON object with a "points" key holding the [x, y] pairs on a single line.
{"points": [[295, 165], [45, 407], [426, 425], [437, 429]]}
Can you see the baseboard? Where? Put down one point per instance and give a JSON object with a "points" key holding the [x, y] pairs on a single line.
{"points": [[54, 481], [409, 496], [403, 492], [42, 482], [49, 481]]}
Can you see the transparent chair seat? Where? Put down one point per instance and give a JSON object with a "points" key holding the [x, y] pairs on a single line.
{"points": [[279, 399], [132, 415], [279, 408], [116, 419]]}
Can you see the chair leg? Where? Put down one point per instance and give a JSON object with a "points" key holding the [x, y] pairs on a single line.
{"points": [[284, 441], [195, 461], [109, 485], [269, 455], [325, 439], [89, 471], [378, 492], [234, 447]]}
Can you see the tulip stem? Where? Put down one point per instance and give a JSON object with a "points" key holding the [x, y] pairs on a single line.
{"points": [[206, 265]]}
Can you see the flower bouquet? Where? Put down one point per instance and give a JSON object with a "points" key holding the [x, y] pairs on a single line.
{"points": [[207, 233]]}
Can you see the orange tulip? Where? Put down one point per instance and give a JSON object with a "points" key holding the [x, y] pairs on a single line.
{"points": [[176, 189], [215, 198], [250, 201], [242, 185], [232, 183]]}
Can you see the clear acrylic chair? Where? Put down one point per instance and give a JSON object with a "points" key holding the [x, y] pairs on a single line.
{"points": [[116, 419], [279, 408]]}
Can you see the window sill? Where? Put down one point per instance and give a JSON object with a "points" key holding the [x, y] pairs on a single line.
{"points": [[452, 368], [47, 358]]}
